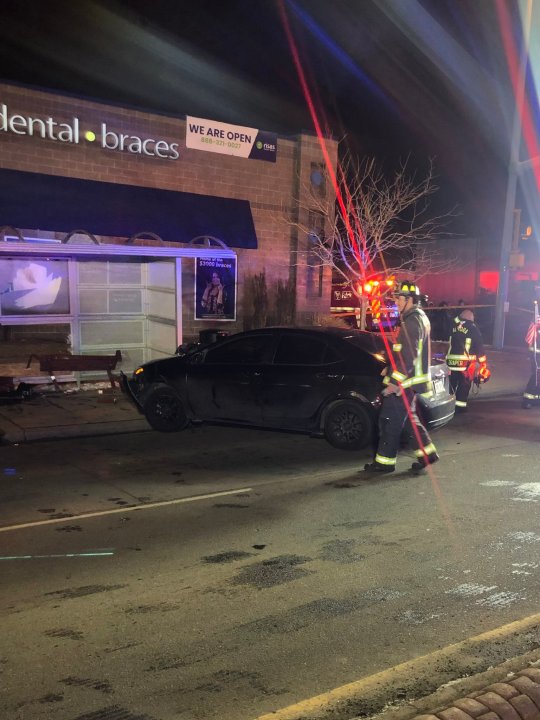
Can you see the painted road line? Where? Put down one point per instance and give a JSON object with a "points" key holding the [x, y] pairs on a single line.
{"points": [[64, 555], [123, 510], [336, 702]]}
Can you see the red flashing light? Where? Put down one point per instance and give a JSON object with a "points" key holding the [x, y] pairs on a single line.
{"points": [[376, 286]]}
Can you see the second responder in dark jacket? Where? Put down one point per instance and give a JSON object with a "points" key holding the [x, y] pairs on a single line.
{"points": [[465, 351], [406, 377]]}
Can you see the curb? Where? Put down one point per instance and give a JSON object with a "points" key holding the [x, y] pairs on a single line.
{"points": [[14, 434], [505, 694], [435, 680]]}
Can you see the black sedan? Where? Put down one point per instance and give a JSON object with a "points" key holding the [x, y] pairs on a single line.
{"points": [[322, 381]]}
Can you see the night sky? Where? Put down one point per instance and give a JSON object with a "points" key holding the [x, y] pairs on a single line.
{"points": [[393, 78]]}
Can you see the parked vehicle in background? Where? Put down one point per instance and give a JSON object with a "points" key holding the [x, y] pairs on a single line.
{"points": [[325, 382], [380, 309], [385, 316]]}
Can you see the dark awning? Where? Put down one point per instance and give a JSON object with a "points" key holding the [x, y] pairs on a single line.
{"points": [[61, 204]]}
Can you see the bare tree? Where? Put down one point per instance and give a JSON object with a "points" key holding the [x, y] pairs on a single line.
{"points": [[381, 224]]}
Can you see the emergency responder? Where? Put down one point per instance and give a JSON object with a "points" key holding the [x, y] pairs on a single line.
{"points": [[406, 376], [531, 395], [466, 349]]}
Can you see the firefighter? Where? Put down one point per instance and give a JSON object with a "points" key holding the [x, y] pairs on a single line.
{"points": [[406, 376], [465, 351], [531, 394]]}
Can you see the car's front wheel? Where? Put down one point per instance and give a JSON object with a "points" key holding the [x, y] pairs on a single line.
{"points": [[348, 426], [164, 410]]}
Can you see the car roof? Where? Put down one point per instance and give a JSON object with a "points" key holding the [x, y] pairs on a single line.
{"points": [[369, 341]]}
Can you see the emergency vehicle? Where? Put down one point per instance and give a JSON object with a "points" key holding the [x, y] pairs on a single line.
{"points": [[381, 309]]}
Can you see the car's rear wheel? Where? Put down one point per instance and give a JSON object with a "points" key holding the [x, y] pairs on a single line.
{"points": [[348, 426], [164, 410]]}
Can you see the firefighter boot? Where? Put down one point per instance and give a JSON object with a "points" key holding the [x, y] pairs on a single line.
{"points": [[376, 467], [423, 462]]}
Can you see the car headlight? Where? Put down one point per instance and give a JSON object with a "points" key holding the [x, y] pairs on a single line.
{"points": [[138, 380]]}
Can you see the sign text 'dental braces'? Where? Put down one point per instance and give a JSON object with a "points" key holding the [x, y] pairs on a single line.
{"points": [[70, 132]]}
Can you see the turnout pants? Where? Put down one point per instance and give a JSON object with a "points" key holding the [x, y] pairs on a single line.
{"points": [[460, 384], [394, 418]]}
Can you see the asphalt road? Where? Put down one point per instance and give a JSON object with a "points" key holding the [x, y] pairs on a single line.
{"points": [[294, 575]]}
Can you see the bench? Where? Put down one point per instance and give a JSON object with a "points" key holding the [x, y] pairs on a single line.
{"points": [[52, 364]]}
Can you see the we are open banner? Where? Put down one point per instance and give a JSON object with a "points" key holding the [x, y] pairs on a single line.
{"points": [[218, 137]]}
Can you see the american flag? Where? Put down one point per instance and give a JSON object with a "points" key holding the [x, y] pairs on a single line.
{"points": [[529, 337]]}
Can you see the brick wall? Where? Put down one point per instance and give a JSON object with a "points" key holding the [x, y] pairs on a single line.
{"points": [[273, 189]]}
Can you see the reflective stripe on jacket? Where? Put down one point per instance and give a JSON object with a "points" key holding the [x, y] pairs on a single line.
{"points": [[412, 353]]}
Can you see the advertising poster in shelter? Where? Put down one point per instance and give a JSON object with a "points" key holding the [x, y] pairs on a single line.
{"points": [[215, 288], [34, 287]]}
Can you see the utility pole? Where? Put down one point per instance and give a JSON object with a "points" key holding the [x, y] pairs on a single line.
{"points": [[501, 306]]}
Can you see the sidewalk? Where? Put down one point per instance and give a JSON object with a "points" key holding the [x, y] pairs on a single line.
{"points": [[53, 414], [97, 409], [510, 371]]}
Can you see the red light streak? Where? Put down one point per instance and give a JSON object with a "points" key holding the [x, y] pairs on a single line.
{"points": [[354, 244], [316, 124], [522, 104]]}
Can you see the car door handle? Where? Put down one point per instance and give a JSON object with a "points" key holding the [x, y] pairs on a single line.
{"points": [[327, 376]]}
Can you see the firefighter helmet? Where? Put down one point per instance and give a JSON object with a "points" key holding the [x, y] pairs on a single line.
{"points": [[409, 289]]}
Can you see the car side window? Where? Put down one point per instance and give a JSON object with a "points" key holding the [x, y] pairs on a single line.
{"points": [[367, 364], [251, 350], [304, 350], [331, 356]]}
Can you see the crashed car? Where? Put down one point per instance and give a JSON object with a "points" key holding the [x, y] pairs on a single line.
{"points": [[325, 382]]}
